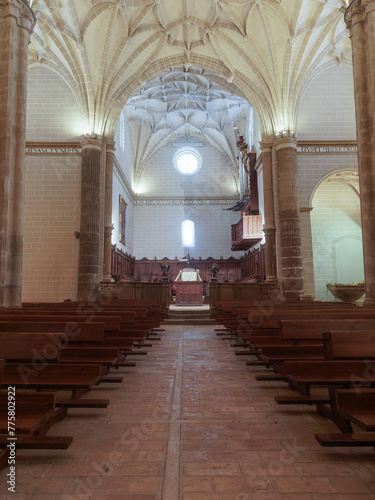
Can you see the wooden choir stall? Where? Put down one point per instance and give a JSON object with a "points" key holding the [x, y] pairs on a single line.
{"points": [[188, 287]]}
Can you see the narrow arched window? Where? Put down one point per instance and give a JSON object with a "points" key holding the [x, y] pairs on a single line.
{"points": [[188, 234]]}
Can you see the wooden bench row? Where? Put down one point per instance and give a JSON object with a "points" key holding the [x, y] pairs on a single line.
{"points": [[335, 353], [56, 348], [347, 370]]}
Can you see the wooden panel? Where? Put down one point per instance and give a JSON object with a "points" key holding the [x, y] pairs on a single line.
{"points": [[121, 264], [231, 270], [188, 293], [149, 270]]}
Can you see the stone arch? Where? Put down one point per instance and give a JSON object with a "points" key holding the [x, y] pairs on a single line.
{"points": [[237, 83]]}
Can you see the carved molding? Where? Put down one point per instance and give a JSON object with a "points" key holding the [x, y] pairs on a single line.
{"points": [[20, 11], [92, 143], [357, 11]]}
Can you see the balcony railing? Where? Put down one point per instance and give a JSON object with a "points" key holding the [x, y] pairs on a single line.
{"points": [[247, 232]]}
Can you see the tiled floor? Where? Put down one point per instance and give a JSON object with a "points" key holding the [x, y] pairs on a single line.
{"points": [[190, 422]]}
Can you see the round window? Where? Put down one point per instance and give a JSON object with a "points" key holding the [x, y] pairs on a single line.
{"points": [[187, 161]]}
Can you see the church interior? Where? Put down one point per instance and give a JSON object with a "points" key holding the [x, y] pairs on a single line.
{"points": [[187, 279]]}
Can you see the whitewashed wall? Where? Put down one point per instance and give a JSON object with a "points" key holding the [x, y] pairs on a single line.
{"points": [[52, 110], [52, 215], [124, 149], [326, 112], [52, 192], [215, 178], [158, 231]]}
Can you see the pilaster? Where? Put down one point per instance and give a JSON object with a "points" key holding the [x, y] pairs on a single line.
{"points": [[269, 214], [108, 226]]}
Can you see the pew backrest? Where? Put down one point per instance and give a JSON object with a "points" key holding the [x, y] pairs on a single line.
{"points": [[314, 328], [73, 331], [349, 344], [41, 347]]}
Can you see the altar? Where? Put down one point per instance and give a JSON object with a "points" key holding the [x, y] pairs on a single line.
{"points": [[188, 287]]}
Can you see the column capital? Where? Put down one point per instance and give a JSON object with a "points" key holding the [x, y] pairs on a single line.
{"points": [[265, 147], [268, 229], [110, 146], [358, 11], [19, 10], [286, 142], [89, 142]]}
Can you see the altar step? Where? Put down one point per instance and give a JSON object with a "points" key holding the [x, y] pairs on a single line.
{"points": [[189, 321], [184, 315]]}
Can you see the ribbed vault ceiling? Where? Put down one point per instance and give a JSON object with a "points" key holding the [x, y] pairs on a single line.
{"points": [[186, 67], [185, 105]]}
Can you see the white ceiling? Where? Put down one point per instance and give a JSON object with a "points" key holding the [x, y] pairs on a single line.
{"points": [[185, 105], [187, 67]]}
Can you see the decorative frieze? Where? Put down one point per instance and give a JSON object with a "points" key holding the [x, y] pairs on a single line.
{"points": [[185, 202], [327, 147], [63, 148]]}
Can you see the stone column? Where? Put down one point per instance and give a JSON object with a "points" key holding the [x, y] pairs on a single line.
{"points": [[108, 226], [269, 213], [360, 20], [88, 265], [290, 232], [17, 22]]}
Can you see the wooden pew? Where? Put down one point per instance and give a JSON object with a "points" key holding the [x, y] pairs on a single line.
{"points": [[355, 405], [312, 329], [84, 335], [244, 329], [348, 345], [114, 322], [35, 413], [144, 316], [21, 342], [34, 361], [302, 375], [77, 378], [301, 333]]}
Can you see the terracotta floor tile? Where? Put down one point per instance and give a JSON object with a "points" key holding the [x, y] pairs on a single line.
{"points": [[197, 485], [190, 422]]}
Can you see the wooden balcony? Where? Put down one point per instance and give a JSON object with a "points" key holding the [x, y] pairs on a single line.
{"points": [[247, 232]]}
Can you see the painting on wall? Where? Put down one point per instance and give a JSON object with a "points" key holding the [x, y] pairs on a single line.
{"points": [[122, 219]]}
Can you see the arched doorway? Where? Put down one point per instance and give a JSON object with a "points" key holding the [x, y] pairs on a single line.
{"points": [[336, 231]]}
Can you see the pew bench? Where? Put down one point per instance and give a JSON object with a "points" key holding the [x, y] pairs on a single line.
{"points": [[358, 407], [35, 412], [76, 378], [334, 374]]}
